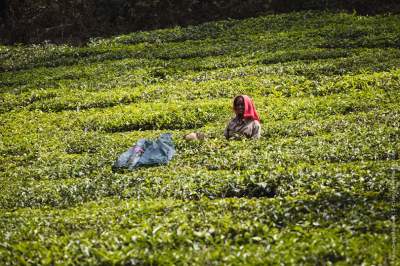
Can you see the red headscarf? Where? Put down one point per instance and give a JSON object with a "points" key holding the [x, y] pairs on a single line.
{"points": [[249, 108]]}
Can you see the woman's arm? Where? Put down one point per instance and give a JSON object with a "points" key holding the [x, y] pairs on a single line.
{"points": [[256, 132], [226, 132]]}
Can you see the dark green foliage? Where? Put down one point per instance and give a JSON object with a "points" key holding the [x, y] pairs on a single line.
{"points": [[77, 21]]}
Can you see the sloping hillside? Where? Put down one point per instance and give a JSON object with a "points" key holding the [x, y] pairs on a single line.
{"points": [[319, 187]]}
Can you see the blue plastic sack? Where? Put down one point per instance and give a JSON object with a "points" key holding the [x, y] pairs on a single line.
{"points": [[147, 152]]}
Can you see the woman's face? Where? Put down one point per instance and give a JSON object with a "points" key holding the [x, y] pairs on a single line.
{"points": [[239, 106]]}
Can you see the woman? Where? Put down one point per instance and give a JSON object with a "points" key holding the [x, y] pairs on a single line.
{"points": [[246, 123]]}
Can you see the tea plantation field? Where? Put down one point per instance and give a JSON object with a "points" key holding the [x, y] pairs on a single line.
{"points": [[320, 187]]}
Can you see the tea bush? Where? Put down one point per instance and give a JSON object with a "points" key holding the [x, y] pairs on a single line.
{"points": [[319, 187]]}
